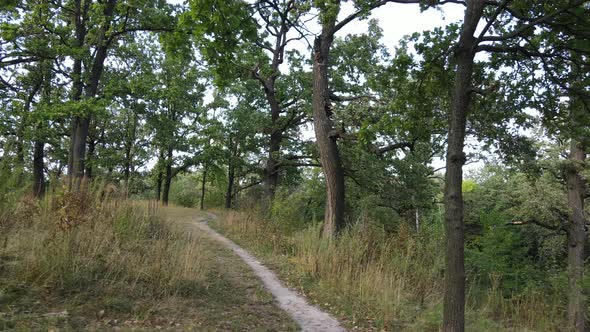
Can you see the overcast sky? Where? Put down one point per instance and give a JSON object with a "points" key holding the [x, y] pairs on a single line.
{"points": [[398, 20]]}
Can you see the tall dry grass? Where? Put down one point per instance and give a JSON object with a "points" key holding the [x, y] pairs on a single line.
{"points": [[392, 281], [93, 242]]}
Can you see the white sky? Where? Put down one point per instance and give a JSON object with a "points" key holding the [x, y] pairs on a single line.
{"points": [[398, 20]]}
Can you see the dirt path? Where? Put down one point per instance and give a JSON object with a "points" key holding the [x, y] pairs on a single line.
{"points": [[310, 318]]}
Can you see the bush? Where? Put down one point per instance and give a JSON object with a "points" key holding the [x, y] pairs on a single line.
{"points": [[185, 191]]}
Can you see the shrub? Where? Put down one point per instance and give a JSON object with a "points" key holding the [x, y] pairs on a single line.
{"points": [[185, 191]]}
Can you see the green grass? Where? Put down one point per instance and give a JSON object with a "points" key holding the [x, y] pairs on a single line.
{"points": [[89, 262]]}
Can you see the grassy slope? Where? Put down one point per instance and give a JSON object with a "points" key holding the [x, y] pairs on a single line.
{"points": [[106, 273]]}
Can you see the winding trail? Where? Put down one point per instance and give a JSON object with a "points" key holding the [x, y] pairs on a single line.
{"points": [[309, 317]]}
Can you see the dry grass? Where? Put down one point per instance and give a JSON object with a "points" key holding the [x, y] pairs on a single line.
{"points": [[90, 261], [378, 281]]}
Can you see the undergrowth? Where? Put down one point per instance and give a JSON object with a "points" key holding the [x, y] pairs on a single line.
{"points": [[373, 279], [90, 252]]}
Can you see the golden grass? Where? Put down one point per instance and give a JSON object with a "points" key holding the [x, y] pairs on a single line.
{"points": [[74, 241]]}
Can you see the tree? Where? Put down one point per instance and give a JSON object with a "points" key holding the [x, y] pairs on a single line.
{"points": [[279, 18], [508, 40], [176, 115]]}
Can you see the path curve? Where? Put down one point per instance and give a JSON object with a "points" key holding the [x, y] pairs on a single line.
{"points": [[309, 317]]}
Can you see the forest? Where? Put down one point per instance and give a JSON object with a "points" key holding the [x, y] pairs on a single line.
{"points": [[435, 184]]}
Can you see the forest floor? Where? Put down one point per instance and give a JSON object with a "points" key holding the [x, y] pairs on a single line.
{"points": [[229, 298]]}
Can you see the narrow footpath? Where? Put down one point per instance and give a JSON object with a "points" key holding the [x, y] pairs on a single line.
{"points": [[309, 317]]}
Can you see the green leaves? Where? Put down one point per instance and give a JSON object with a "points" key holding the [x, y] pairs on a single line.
{"points": [[219, 29]]}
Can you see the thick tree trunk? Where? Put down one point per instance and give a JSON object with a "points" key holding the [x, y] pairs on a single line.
{"points": [[576, 239], [326, 138], [160, 175], [454, 297], [203, 187], [231, 172], [89, 158], [80, 14], [167, 178], [83, 123], [229, 193], [79, 151], [38, 172], [276, 136]]}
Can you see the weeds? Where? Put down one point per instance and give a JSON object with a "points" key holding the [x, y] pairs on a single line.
{"points": [[91, 245], [386, 280]]}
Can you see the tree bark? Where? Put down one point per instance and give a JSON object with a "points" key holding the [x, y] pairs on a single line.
{"points": [[167, 178], [82, 125], [89, 157], [80, 16], [326, 141], [20, 132], [276, 136], [576, 239], [231, 172], [230, 185], [203, 187], [282, 10], [160, 176], [454, 296], [38, 172]]}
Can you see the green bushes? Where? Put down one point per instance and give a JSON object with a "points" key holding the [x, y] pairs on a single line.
{"points": [[185, 191]]}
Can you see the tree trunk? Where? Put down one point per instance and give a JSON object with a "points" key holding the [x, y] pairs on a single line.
{"points": [[38, 172], [454, 297], [167, 178], [325, 137], [203, 187], [80, 14], [126, 173], [79, 151], [83, 123], [20, 132], [576, 239], [229, 194], [159, 180], [159, 177], [90, 157], [276, 136], [40, 136]]}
